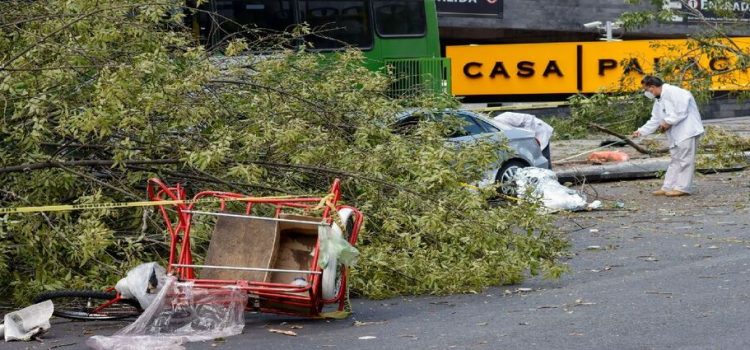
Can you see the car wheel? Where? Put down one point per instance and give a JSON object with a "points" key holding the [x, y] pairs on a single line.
{"points": [[505, 176]]}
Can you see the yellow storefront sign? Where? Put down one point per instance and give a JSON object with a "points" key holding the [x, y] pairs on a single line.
{"points": [[585, 67]]}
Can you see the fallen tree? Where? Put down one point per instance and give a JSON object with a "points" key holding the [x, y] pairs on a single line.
{"points": [[97, 97]]}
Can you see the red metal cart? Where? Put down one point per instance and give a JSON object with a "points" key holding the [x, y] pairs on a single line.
{"points": [[274, 257]]}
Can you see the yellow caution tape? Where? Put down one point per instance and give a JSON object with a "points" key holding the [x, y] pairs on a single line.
{"points": [[89, 206], [464, 184]]}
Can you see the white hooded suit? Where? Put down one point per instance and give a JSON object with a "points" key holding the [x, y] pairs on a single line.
{"points": [[677, 107]]}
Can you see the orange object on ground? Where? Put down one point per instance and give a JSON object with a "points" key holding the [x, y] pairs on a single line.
{"points": [[608, 156]]}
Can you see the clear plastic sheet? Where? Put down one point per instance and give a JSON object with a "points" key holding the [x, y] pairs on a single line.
{"points": [[180, 313]]}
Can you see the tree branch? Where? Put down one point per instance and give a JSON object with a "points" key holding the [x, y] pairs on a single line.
{"points": [[208, 180], [107, 162], [133, 163], [100, 182], [269, 88], [627, 140], [309, 168]]}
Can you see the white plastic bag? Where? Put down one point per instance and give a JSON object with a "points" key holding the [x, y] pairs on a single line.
{"points": [[335, 250], [142, 283], [333, 247], [28, 322], [542, 184], [180, 313]]}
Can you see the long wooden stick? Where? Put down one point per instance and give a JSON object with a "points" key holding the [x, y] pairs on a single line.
{"points": [[627, 140]]}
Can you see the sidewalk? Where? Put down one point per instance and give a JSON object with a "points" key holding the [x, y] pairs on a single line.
{"points": [[571, 166]]}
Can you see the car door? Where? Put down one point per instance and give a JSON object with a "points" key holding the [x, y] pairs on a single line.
{"points": [[477, 129], [489, 133]]}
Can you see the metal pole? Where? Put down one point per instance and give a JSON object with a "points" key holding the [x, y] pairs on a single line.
{"points": [[247, 269], [321, 223], [608, 28]]}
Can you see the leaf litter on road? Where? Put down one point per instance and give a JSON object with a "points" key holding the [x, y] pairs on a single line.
{"points": [[283, 332], [367, 323]]}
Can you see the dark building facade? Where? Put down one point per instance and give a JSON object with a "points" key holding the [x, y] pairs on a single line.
{"points": [[533, 21]]}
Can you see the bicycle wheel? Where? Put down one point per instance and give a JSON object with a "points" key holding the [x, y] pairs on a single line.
{"points": [[89, 305]]}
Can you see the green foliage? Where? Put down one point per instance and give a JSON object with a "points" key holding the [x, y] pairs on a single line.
{"points": [[97, 97], [621, 112], [727, 150], [638, 19]]}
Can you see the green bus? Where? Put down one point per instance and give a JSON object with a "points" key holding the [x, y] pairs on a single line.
{"points": [[399, 37]]}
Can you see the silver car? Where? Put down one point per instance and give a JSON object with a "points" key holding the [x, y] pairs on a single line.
{"points": [[525, 148]]}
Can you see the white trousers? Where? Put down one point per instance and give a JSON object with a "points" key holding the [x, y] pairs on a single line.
{"points": [[679, 176]]}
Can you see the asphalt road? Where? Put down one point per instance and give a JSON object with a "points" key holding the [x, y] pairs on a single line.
{"points": [[661, 273]]}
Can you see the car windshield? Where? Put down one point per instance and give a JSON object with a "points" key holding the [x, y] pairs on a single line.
{"points": [[457, 124]]}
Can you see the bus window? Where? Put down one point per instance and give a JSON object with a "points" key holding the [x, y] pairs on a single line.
{"points": [[336, 23], [399, 17], [219, 20], [267, 14]]}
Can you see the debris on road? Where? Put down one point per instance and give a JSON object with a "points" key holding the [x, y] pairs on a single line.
{"points": [[658, 293], [362, 324], [142, 283], [281, 331], [291, 326], [542, 184], [180, 313], [608, 157], [27, 323], [580, 302], [648, 258]]}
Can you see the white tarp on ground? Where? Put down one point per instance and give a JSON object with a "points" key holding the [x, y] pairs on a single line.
{"points": [[542, 184], [180, 313]]}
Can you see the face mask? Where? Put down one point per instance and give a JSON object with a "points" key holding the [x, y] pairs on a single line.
{"points": [[649, 95]]}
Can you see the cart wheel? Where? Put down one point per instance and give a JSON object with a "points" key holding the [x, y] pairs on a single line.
{"points": [[331, 279], [80, 305]]}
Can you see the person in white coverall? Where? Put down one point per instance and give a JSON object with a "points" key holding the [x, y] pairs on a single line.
{"points": [[542, 131], [676, 114]]}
